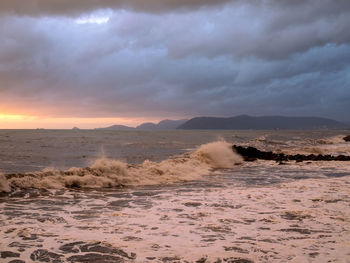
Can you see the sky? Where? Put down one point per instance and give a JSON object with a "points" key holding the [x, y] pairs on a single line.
{"points": [[94, 63]]}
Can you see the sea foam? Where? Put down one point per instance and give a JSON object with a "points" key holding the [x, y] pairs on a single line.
{"points": [[114, 173], [4, 185]]}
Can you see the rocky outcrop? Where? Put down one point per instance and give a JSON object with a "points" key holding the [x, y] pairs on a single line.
{"points": [[9, 254], [347, 138], [44, 255], [252, 154]]}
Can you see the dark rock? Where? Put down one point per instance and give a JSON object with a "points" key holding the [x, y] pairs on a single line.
{"points": [[19, 245], [341, 158], [95, 258], [238, 260], [192, 204], [32, 237], [170, 259], [71, 247], [9, 254], [16, 261], [347, 138], [44, 255], [264, 228], [294, 216], [333, 200], [314, 254], [298, 230], [97, 247], [251, 154], [201, 260]]}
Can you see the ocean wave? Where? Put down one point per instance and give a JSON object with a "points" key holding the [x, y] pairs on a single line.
{"points": [[264, 140], [114, 173], [334, 145], [338, 139]]}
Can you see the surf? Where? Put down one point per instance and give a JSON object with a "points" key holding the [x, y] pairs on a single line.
{"points": [[109, 173]]}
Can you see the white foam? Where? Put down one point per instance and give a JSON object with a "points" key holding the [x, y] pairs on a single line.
{"points": [[251, 220], [218, 155], [112, 173], [332, 149], [338, 139], [4, 185]]}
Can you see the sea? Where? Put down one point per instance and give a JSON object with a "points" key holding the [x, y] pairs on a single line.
{"points": [[104, 196]]}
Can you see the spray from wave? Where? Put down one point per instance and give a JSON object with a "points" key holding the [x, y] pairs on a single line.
{"points": [[114, 173], [334, 145]]}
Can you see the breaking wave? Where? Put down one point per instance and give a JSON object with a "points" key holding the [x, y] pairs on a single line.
{"points": [[334, 145], [338, 139], [114, 173]]}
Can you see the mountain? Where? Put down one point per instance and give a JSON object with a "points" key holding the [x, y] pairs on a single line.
{"points": [[117, 128], [148, 126], [162, 125], [245, 122], [170, 124]]}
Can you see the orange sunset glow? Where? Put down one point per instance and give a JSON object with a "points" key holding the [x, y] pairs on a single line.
{"points": [[14, 121]]}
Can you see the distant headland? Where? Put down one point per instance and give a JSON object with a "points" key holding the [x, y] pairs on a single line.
{"points": [[148, 126], [241, 122]]}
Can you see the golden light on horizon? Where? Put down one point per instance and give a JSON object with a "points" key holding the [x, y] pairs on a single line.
{"points": [[14, 121], [10, 117]]}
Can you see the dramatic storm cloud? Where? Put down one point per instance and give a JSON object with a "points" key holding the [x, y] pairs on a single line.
{"points": [[157, 59], [69, 7]]}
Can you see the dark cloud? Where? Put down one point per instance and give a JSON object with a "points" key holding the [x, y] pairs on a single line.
{"points": [[76, 7], [243, 57], [300, 9], [267, 31]]}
